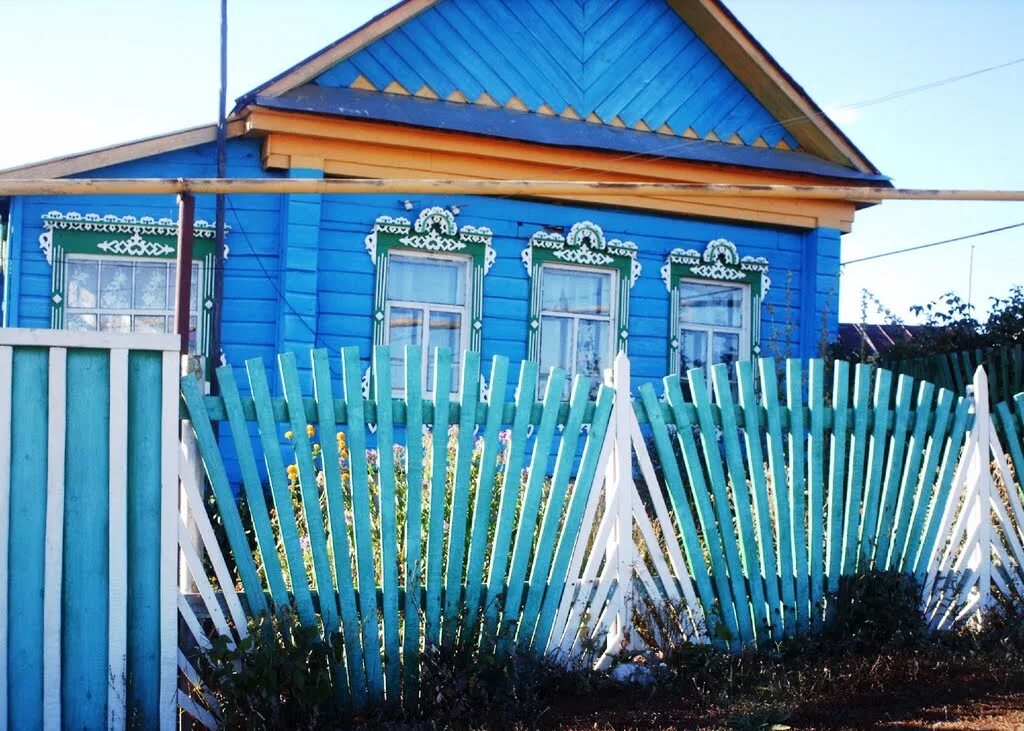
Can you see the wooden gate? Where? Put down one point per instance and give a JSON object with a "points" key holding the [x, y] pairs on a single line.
{"points": [[586, 523], [88, 503]]}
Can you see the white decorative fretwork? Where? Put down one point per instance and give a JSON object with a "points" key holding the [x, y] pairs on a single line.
{"points": [[135, 246]]}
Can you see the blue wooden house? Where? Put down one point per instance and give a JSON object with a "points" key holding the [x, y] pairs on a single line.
{"points": [[612, 90]]}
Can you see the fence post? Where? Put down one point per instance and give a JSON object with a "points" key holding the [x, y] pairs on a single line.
{"points": [[621, 550], [190, 365], [980, 480]]}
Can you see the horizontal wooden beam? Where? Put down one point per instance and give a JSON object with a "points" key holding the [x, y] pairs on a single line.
{"points": [[171, 186]]}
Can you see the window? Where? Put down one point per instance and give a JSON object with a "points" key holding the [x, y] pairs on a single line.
{"points": [[429, 288], [579, 306], [116, 274], [712, 329], [715, 306], [114, 294], [426, 306], [577, 321]]}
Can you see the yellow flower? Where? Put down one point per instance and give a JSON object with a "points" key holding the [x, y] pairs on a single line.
{"points": [[345, 475], [288, 434], [310, 430], [293, 472], [341, 437], [316, 449]]}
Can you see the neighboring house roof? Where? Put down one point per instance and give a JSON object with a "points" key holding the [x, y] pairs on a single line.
{"points": [[876, 339]]}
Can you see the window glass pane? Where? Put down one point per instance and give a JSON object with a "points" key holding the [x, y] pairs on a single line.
{"points": [[77, 321], [693, 350], [196, 286], [577, 292], [115, 286], [150, 324], [710, 304], [445, 332], [115, 323], [82, 284], [555, 346], [592, 349], [725, 348], [418, 279], [404, 326], [151, 286]]}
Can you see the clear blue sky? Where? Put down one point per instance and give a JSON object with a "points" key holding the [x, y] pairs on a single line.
{"points": [[76, 75]]}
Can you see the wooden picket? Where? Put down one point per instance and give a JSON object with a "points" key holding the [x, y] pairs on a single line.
{"points": [[1003, 365], [537, 524]]}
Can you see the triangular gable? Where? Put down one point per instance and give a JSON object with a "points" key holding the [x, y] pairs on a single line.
{"points": [[683, 68]]}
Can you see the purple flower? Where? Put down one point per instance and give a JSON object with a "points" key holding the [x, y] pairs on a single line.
{"points": [[304, 542]]}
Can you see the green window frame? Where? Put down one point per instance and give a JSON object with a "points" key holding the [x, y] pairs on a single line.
{"points": [[720, 262], [127, 239], [585, 248], [434, 235]]}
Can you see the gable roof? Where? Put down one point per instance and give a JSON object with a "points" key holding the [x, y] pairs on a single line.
{"points": [[680, 67]]}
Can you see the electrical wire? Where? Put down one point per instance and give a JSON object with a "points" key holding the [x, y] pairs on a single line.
{"points": [[934, 243]]}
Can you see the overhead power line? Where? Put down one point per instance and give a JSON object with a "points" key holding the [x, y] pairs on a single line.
{"points": [[934, 243]]}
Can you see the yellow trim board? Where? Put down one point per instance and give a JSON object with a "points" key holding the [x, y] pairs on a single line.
{"points": [[372, 149]]}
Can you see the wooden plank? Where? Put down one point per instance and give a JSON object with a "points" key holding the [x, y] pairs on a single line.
{"points": [[720, 490], [352, 378], [169, 424], [816, 490], [200, 522], [48, 338], [53, 575], [922, 497], [438, 489], [223, 495], [478, 537], [117, 542], [750, 553], [26, 546], [951, 459], [266, 543], [868, 539], [412, 570], [762, 509], [552, 511], [6, 388], [453, 585], [329, 444], [280, 491], [895, 465], [701, 496], [511, 487], [858, 449], [536, 474], [777, 467], [310, 491], [798, 490], [574, 523], [837, 475], [388, 528], [911, 485]]}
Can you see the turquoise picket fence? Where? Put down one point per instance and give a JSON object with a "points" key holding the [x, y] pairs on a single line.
{"points": [[400, 519], [88, 504]]}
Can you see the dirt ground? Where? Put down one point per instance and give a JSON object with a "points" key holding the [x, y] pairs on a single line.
{"points": [[975, 704]]}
